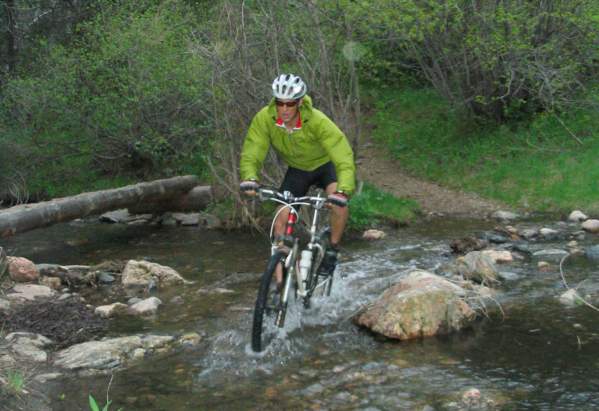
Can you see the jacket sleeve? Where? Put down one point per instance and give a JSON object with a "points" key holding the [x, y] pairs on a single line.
{"points": [[337, 147], [255, 147]]}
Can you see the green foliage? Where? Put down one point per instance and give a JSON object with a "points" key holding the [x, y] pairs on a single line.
{"points": [[500, 60], [536, 164], [15, 381], [373, 206], [124, 100], [93, 405]]}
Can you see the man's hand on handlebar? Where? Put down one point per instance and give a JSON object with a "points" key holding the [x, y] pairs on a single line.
{"points": [[338, 199], [249, 187]]}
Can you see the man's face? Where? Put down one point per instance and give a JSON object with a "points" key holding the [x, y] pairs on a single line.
{"points": [[287, 109]]}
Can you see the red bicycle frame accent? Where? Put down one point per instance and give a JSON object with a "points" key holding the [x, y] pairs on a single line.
{"points": [[291, 220]]}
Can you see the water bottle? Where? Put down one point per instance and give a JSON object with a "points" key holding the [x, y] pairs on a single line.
{"points": [[304, 268]]}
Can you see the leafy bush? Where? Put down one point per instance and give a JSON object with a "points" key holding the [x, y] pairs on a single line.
{"points": [[497, 59], [373, 206], [125, 99]]}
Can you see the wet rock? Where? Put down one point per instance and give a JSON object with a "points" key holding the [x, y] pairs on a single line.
{"points": [[420, 305], [187, 219], [499, 256], [467, 244], [477, 266], [112, 310], [105, 278], [140, 274], [28, 345], [548, 233], [592, 252], [52, 282], [497, 238], [577, 216], [552, 254], [471, 397], [373, 235], [592, 226], [108, 354], [571, 298], [116, 216], [529, 233], [30, 292], [543, 266], [149, 306], [504, 215], [521, 246], [22, 270]]}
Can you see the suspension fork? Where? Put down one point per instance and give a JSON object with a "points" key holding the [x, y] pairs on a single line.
{"points": [[289, 268]]}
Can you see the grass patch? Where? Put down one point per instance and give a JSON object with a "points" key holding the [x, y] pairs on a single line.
{"points": [[373, 206], [535, 164]]}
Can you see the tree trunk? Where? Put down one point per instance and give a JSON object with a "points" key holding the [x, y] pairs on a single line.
{"points": [[196, 199], [26, 217]]}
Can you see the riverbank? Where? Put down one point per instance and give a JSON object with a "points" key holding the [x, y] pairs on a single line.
{"points": [[547, 162]]}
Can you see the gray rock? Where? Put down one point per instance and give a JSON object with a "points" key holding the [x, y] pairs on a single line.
{"points": [[577, 216], [105, 278], [112, 310], [4, 305], [548, 233], [140, 274], [187, 219], [420, 305], [30, 292], [529, 233], [28, 345], [116, 216], [108, 354], [149, 306]]}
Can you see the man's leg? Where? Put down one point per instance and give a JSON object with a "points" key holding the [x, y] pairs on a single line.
{"points": [[339, 217], [279, 230]]}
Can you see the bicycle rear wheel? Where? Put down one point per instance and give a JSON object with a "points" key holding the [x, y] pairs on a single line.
{"points": [[266, 307]]}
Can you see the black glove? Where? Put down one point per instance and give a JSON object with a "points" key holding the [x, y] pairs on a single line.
{"points": [[249, 185], [338, 199]]}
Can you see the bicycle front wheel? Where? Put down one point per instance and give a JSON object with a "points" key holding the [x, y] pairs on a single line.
{"points": [[266, 306]]}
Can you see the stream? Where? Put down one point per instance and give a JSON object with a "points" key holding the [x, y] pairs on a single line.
{"points": [[537, 355]]}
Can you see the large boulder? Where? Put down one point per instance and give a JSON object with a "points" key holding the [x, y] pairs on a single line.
{"points": [[143, 274], [110, 353], [421, 305], [22, 270], [478, 266]]}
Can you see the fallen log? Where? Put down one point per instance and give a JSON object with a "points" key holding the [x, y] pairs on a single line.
{"points": [[26, 217]]}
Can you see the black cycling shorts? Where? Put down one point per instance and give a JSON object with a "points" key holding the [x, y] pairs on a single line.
{"points": [[299, 181]]}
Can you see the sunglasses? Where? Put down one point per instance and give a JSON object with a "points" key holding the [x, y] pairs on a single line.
{"points": [[287, 104]]}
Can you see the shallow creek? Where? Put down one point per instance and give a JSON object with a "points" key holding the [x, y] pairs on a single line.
{"points": [[539, 355]]}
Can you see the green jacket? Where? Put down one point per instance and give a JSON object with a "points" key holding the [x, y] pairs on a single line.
{"points": [[317, 142]]}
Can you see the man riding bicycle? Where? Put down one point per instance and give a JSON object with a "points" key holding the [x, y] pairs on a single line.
{"points": [[315, 150]]}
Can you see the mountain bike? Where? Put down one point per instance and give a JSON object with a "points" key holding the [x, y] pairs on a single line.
{"points": [[300, 269]]}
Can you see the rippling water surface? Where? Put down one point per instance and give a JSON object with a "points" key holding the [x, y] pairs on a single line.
{"points": [[538, 355]]}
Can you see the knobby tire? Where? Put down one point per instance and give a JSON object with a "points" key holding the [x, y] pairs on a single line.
{"points": [[263, 299]]}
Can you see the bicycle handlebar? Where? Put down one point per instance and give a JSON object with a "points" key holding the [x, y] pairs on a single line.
{"points": [[288, 198]]}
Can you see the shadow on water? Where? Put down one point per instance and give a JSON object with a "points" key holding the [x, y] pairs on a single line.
{"points": [[539, 355]]}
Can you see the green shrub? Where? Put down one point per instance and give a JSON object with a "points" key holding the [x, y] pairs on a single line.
{"points": [[372, 206]]}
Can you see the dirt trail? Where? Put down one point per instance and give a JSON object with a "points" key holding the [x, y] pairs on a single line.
{"points": [[375, 166]]}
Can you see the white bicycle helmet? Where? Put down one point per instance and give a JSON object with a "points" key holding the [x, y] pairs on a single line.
{"points": [[288, 87]]}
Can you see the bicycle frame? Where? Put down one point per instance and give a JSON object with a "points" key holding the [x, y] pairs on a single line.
{"points": [[290, 245]]}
